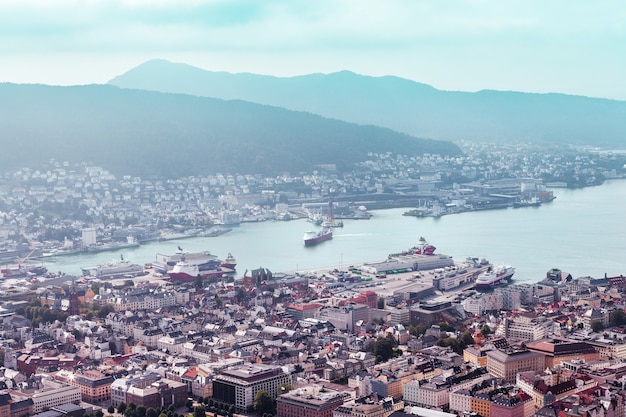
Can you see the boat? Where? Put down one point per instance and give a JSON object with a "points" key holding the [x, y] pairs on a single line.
{"points": [[494, 277], [185, 271], [330, 221], [230, 262], [115, 270], [315, 218], [423, 247], [23, 271], [102, 247], [204, 260], [312, 238]]}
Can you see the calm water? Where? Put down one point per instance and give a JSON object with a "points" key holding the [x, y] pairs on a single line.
{"points": [[582, 232]]}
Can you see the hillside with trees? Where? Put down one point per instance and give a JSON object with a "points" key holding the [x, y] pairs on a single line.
{"points": [[174, 135]]}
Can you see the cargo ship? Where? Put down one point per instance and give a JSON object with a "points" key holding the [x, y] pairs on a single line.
{"points": [[501, 275], [313, 238]]}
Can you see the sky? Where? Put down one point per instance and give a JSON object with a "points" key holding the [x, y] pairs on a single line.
{"points": [[564, 46]]}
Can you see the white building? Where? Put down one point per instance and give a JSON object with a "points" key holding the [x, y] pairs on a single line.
{"points": [[53, 394], [89, 237]]}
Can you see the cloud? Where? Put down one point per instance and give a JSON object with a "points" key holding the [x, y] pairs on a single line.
{"points": [[278, 25], [469, 42]]}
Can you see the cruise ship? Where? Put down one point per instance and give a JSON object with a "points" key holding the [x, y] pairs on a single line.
{"points": [[203, 260], [501, 275]]}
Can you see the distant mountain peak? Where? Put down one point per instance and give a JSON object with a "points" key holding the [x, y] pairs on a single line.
{"points": [[400, 104]]}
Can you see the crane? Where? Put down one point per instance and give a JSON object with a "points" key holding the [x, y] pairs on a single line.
{"points": [[22, 260]]}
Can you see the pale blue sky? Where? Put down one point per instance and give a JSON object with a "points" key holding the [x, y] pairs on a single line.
{"points": [[573, 47]]}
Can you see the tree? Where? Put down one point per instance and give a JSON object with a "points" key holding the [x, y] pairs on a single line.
{"points": [[381, 303], [617, 317], [382, 348], [95, 287], [121, 407], [111, 409], [445, 326], [141, 411], [99, 413], [485, 330], [189, 404], [597, 326], [199, 411], [418, 330], [263, 403], [151, 412], [218, 301], [467, 338]]}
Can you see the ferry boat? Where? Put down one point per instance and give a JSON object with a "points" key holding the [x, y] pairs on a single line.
{"points": [[115, 270], [494, 277], [312, 238]]}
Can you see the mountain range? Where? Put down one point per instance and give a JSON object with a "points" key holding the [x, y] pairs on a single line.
{"points": [[403, 105], [148, 133]]}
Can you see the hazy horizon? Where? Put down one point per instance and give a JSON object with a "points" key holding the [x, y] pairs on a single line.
{"points": [[467, 45]]}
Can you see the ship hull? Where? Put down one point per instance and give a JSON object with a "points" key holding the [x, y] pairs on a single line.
{"points": [[186, 277], [317, 240]]}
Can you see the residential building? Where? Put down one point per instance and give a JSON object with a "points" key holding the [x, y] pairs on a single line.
{"points": [[507, 363]]}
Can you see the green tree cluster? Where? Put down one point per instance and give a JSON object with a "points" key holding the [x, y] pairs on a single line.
{"points": [[384, 348], [44, 315], [617, 318], [597, 326], [457, 344], [263, 403]]}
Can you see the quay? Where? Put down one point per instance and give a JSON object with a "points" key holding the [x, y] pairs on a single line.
{"points": [[434, 285]]}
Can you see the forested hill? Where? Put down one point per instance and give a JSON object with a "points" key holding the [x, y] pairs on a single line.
{"points": [[403, 105], [173, 135]]}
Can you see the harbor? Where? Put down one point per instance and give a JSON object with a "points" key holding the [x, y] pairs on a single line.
{"points": [[531, 239]]}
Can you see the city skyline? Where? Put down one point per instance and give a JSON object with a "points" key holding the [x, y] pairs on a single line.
{"points": [[563, 47]]}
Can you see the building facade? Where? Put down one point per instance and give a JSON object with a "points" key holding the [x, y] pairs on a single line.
{"points": [[239, 385]]}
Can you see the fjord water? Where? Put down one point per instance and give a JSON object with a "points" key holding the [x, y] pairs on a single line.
{"points": [[582, 232]]}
